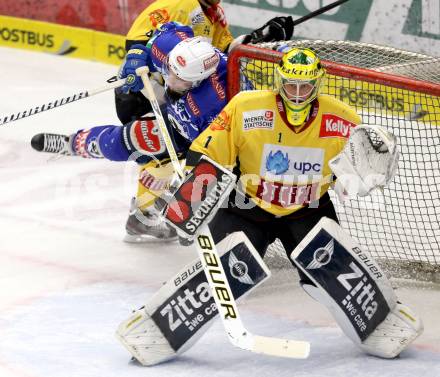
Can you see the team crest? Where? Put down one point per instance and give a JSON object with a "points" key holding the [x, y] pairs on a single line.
{"points": [[221, 123], [159, 16]]}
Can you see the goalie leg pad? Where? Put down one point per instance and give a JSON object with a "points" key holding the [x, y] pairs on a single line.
{"points": [[394, 334], [355, 290], [182, 310]]}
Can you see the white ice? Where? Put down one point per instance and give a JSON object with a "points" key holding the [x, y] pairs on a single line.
{"points": [[67, 279]]}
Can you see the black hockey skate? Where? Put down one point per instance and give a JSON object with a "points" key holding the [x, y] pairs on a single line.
{"points": [[52, 143]]}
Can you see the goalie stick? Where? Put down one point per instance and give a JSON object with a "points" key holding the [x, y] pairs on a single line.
{"points": [[238, 335], [112, 83]]}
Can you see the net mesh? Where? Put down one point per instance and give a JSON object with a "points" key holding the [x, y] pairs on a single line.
{"points": [[402, 223]]}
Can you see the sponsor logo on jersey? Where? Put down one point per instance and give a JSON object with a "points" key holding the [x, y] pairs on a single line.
{"points": [[151, 182], [211, 62], [158, 54], [182, 35], [218, 87], [291, 161], [259, 119], [277, 163], [146, 136], [334, 126], [192, 105], [197, 18], [159, 16], [287, 195], [221, 123]]}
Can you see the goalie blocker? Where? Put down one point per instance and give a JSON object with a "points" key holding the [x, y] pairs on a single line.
{"points": [[355, 290], [198, 198], [182, 310]]}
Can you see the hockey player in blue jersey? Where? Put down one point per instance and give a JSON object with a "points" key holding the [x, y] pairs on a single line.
{"points": [[194, 92]]}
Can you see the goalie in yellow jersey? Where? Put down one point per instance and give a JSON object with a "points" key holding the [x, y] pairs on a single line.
{"points": [[286, 146]]}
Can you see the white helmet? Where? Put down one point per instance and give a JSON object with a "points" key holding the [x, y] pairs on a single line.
{"points": [[193, 59]]}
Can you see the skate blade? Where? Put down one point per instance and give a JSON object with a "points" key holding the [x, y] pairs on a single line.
{"points": [[146, 239]]}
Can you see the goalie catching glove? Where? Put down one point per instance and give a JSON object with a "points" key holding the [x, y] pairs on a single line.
{"points": [[368, 161]]}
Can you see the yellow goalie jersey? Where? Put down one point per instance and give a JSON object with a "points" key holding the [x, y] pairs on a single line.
{"points": [[212, 25], [280, 169]]}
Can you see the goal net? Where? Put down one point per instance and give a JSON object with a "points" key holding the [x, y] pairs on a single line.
{"points": [[400, 91]]}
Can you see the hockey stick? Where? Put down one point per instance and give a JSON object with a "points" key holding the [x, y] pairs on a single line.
{"points": [[215, 274], [112, 83], [318, 12]]}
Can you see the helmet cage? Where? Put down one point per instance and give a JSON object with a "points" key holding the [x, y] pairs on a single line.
{"points": [[298, 92]]}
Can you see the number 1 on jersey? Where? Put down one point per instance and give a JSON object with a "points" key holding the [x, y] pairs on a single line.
{"points": [[208, 140]]}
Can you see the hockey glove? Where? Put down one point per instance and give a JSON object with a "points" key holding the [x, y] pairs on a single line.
{"points": [[136, 57], [276, 29]]}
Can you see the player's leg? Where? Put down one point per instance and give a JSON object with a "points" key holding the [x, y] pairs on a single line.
{"points": [[347, 280], [144, 223], [292, 229], [183, 309], [138, 141], [254, 222]]}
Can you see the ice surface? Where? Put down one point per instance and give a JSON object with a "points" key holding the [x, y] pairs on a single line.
{"points": [[67, 279]]}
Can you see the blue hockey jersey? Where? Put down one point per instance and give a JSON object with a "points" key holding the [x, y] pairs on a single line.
{"points": [[187, 117], [193, 112]]}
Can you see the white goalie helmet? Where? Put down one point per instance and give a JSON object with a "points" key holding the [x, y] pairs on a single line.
{"points": [[190, 62]]}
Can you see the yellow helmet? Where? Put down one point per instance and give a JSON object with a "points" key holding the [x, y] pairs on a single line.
{"points": [[298, 78]]}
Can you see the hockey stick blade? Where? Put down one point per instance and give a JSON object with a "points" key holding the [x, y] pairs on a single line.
{"points": [[294, 349]]}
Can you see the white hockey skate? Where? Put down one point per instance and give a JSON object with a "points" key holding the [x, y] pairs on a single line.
{"points": [[147, 226]]}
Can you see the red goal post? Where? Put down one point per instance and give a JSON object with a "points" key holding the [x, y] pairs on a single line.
{"points": [[395, 89], [332, 68]]}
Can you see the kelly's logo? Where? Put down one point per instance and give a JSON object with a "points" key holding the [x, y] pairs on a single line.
{"points": [[334, 126]]}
